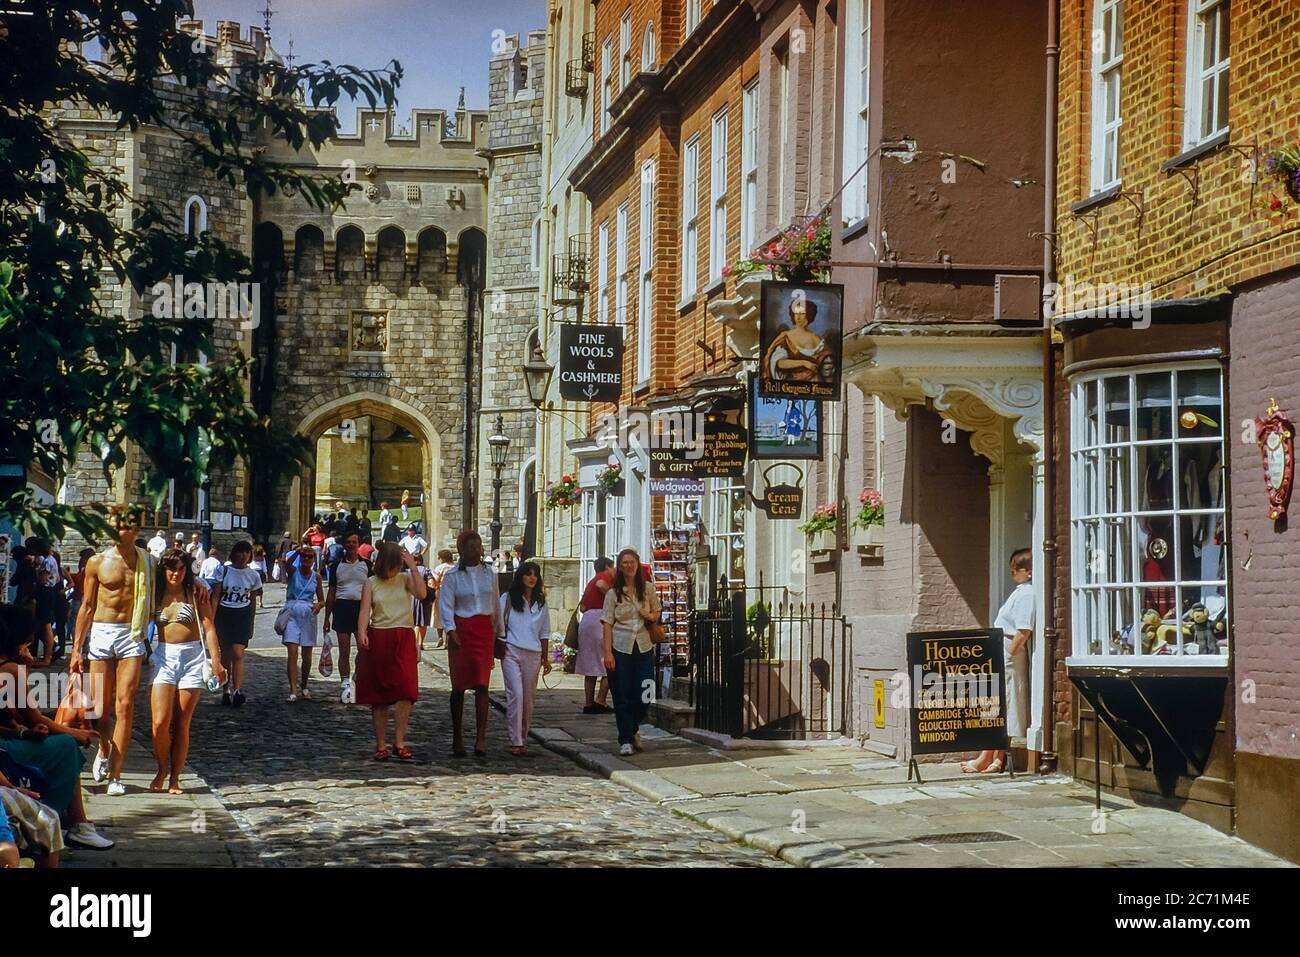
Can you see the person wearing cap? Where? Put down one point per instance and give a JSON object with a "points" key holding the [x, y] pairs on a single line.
{"points": [[158, 544], [413, 542]]}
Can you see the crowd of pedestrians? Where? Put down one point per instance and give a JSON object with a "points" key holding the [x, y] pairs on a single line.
{"points": [[189, 612]]}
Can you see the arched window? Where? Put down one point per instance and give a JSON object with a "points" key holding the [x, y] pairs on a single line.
{"points": [[431, 256], [308, 250], [535, 249], [390, 254], [349, 252], [648, 52], [196, 217]]}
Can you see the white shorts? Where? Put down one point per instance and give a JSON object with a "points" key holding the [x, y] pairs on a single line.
{"points": [[179, 664], [111, 640]]}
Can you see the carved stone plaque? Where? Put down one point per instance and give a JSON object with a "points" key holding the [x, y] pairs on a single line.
{"points": [[369, 332]]}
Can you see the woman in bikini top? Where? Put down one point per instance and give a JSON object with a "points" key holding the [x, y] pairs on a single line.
{"points": [[181, 603]]}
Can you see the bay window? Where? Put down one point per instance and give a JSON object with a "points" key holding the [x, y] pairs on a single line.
{"points": [[1148, 540]]}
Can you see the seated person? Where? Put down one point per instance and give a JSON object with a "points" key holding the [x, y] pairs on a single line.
{"points": [[8, 849], [29, 738]]}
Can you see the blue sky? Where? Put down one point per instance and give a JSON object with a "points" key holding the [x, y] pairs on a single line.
{"points": [[441, 44]]}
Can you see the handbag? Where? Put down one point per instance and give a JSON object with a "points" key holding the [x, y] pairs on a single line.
{"points": [[571, 632], [326, 663], [499, 644]]}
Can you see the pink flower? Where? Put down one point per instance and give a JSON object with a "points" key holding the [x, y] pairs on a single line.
{"points": [[726, 271]]}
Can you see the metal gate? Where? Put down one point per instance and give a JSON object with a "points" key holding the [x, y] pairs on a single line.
{"points": [[770, 669]]}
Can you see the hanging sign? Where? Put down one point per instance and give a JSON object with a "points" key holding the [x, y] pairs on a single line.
{"points": [[783, 428], [958, 696], [784, 501], [1276, 437], [801, 329], [718, 453], [591, 363]]}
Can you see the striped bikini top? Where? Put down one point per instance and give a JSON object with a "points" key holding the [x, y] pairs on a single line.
{"points": [[183, 617]]}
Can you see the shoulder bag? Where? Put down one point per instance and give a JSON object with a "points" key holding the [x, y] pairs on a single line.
{"points": [[499, 644], [571, 632]]}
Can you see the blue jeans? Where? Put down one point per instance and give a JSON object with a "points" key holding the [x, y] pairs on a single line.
{"points": [[632, 685]]}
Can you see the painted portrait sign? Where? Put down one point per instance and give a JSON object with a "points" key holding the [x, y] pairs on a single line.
{"points": [[783, 428], [801, 330]]}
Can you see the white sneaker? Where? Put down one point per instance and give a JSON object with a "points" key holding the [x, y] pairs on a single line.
{"points": [[100, 769], [625, 749], [292, 698], [85, 835], [116, 788], [636, 742], [306, 693], [346, 694]]}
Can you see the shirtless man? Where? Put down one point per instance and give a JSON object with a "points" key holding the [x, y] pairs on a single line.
{"points": [[111, 630]]}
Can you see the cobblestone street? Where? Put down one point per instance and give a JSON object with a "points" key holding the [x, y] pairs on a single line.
{"points": [[300, 782]]}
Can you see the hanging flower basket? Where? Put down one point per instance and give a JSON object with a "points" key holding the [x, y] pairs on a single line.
{"points": [[802, 253], [611, 481], [1284, 166], [564, 493]]}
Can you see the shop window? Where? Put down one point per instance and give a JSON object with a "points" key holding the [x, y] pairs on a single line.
{"points": [[1149, 549], [1208, 27], [726, 528]]}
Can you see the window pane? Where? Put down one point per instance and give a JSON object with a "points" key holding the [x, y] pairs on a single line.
{"points": [[1154, 408], [1087, 464], [1118, 544], [1221, 107], [1200, 404], [1109, 160], [1091, 551], [1208, 42], [1108, 34], [1119, 604], [1116, 410], [1116, 495], [1207, 107], [1089, 421], [1225, 14]]}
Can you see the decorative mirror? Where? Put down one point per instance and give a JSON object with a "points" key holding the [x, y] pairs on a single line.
{"points": [[1276, 437]]}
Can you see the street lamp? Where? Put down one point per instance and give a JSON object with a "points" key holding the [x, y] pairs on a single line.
{"points": [[498, 443], [537, 377]]}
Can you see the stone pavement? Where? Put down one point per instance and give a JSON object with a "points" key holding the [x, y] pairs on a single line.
{"points": [[294, 784], [838, 805]]}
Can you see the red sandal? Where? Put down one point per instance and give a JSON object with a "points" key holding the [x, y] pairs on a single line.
{"points": [[403, 753], [381, 754]]}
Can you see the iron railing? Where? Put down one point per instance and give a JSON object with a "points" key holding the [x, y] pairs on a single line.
{"points": [[772, 668], [575, 78], [569, 278]]}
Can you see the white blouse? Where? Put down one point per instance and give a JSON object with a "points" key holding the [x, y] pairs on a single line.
{"points": [[525, 629]]}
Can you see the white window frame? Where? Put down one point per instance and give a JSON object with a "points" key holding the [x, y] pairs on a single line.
{"points": [[1093, 574], [602, 273], [648, 47], [782, 133], [645, 294], [857, 129], [718, 195], [620, 264], [690, 216], [535, 246], [749, 170], [603, 527], [694, 14], [606, 82], [1203, 14], [1107, 69], [203, 216], [625, 50], [725, 539]]}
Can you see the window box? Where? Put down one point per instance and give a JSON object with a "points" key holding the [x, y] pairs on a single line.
{"points": [[822, 543], [869, 540]]}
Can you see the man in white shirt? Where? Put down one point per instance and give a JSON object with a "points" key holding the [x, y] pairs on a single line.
{"points": [[470, 612], [414, 542], [212, 570], [158, 544]]}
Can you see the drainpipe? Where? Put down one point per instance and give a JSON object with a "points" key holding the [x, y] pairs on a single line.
{"points": [[1050, 634]]}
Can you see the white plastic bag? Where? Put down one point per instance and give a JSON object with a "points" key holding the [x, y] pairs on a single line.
{"points": [[325, 663]]}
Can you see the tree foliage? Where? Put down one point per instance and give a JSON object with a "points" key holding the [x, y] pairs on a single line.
{"points": [[72, 364]]}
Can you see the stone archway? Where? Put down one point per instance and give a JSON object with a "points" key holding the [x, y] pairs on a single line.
{"points": [[381, 401]]}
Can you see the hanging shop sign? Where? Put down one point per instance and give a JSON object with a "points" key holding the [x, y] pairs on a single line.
{"points": [[782, 501], [718, 453], [783, 428], [677, 487], [591, 363], [958, 696], [1276, 437], [801, 336]]}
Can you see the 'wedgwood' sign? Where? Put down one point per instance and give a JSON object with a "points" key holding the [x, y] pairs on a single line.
{"points": [[591, 363]]}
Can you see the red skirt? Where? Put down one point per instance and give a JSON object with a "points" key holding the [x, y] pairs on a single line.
{"points": [[386, 671], [471, 663]]}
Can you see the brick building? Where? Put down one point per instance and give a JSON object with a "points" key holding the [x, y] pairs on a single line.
{"points": [[1167, 115]]}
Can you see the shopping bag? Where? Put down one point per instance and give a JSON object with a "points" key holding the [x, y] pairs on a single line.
{"points": [[72, 709], [326, 662]]}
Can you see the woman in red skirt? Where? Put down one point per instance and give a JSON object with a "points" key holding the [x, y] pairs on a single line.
{"points": [[468, 606], [387, 659]]}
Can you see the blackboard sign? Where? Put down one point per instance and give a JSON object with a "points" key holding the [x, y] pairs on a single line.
{"points": [[721, 454], [958, 696], [591, 363]]}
